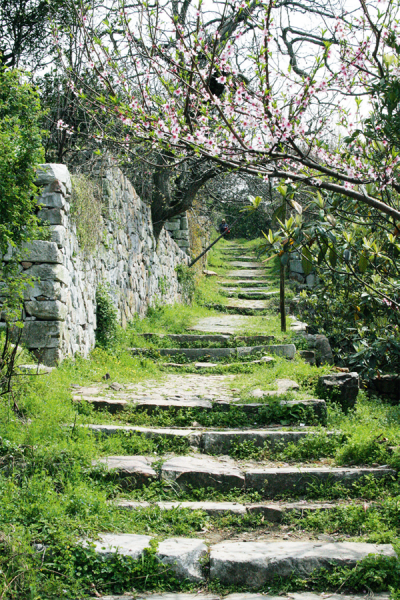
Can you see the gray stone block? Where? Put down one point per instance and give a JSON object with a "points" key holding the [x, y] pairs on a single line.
{"points": [[184, 223], [52, 216], [47, 290], [295, 266], [172, 226], [46, 310], [286, 350], [192, 436], [39, 251], [52, 272], [322, 348], [43, 334], [340, 387], [58, 235], [183, 556], [310, 280], [275, 481], [127, 544], [183, 243], [49, 173], [202, 472], [134, 471], [52, 200], [253, 564], [221, 442], [308, 356]]}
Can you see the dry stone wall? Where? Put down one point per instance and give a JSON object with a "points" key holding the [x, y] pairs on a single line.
{"points": [[60, 308]]}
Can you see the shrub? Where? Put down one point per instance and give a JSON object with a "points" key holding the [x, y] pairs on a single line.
{"points": [[107, 321], [20, 151]]}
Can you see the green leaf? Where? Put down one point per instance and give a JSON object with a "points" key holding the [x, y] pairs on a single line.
{"points": [[363, 263], [332, 257], [306, 261]]}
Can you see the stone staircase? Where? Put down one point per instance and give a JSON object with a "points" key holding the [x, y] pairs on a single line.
{"points": [[208, 464]]}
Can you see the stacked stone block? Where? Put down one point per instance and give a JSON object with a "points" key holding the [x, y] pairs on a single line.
{"points": [[296, 272], [178, 228], [60, 308]]}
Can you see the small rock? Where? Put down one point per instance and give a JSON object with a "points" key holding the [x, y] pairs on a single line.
{"points": [[209, 273], [116, 387], [26, 265], [267, 359]]}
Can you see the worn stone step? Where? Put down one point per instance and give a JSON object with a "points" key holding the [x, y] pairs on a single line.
{"points": [[316, 406], [254, 564], [249, 564], [187, 338], [237, 289], [247, 274], [225, 324], [246, 596], [242, 307], [226, 474], [183, 556], [248, 283], [287, 350], [210, 442], [246, 264], [251, 295], [273, 512]]}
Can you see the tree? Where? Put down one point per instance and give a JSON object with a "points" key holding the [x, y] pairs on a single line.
{"points": [[259, 124]]}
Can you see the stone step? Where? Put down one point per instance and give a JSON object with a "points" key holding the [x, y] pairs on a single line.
{"points": [[223, 475], [245, 596], [286, 350], [245, 259], [243, 283], [210, 442], [258, 295], [247, 274], [224, 324], [249, 564], [242, 307], [273, 512], [113, 405], [187, 338], [183, 556], [254, 564], [237, 289], [246, 264]]}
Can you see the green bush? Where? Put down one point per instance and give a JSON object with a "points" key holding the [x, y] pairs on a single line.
{"points": [[107, 321], [20, 151]]}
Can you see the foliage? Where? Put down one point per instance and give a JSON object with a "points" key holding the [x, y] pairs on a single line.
{"points": [[20, 152], [106, 317], [363, 330], [86, 212], [186, 279]]}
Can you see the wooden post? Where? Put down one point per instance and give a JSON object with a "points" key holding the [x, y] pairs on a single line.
{"points": [[282, 297], [282, 307]]}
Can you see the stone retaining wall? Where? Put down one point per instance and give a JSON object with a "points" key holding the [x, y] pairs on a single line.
{"points": [[296, 272], [60, 308]]}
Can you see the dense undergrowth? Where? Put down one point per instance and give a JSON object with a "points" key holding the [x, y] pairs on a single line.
{"points": [[52, 496]]}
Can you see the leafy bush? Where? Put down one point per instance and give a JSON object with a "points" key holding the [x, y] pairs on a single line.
{"points": [[107, 321], [363, 330], [186, 278], [20, 151]]}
